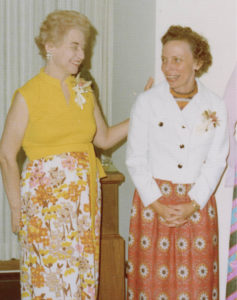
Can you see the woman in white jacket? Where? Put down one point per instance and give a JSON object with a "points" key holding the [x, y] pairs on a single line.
{"points": [[176, 154]]}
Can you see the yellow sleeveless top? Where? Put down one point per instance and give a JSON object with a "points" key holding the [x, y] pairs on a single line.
{"points": [[56, 126]]}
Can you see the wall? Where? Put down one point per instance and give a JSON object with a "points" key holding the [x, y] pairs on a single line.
{"points": [[217, 21], [134, 57]]}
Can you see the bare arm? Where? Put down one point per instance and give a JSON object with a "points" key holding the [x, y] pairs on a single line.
{"points": [[10, 144], [106, 137]]}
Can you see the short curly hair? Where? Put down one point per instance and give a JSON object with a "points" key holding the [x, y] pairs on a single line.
{"points": [[199, 45], [57, 24]]}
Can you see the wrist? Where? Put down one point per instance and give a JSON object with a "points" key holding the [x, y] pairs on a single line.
{"points": [[15, 208], [157, 206], [195, 205]]}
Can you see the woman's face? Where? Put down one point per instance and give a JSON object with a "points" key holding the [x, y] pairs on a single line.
{"points": [[69, 54], [178, 66]]}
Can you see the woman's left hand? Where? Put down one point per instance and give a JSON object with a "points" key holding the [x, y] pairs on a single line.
{"points": [[15, 220], [183, 211], [149, 83]]}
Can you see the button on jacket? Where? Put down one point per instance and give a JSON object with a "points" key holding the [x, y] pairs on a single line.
{"points": [[183, 146]]}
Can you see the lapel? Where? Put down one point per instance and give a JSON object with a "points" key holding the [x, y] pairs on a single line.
{"points": [[191, 115]]}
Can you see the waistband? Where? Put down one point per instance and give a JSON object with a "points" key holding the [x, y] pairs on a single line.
{"points": [[95, 166]]}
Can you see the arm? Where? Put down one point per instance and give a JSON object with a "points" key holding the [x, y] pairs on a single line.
{"points": [[106, 137], [10, 144], [138, 165], [137, 152]]}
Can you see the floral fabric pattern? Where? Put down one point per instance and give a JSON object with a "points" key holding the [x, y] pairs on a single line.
{"points": [[58, 257], [173, 263]]}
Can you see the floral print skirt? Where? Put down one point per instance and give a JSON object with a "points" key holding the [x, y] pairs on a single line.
{"points": [[58, 255], [167, 263]]}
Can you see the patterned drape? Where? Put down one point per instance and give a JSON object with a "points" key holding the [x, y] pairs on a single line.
{"points": [[19, 61], [231, 288], [230, 98]]}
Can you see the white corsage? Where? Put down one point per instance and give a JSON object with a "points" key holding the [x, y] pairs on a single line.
{"points": [[81, 87], [209, 120]]}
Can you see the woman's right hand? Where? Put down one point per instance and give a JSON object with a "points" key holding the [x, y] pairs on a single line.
{"points": [[168, 213], [15, 220]]}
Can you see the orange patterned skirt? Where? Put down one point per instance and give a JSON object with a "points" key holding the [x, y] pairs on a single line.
{"points": [[167, 263], [59, 257]]}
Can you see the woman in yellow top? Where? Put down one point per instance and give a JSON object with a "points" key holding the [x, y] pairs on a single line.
{"points": [[55, 206]]}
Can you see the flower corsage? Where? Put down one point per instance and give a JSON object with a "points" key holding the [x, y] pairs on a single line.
{"points": [[81, 87], [209, 120]]}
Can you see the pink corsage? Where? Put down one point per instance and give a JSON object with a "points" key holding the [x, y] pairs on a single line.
{"points": [[210, 119]]}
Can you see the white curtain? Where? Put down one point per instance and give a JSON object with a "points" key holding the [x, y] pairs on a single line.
{"points": [[19, 61]]}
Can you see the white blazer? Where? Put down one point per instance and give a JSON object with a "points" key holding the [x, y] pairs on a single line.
{"points": [[182, 146]]}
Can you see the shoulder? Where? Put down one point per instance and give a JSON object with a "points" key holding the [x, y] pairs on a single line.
{"points": [[152, 99], [28, 90], [211, 101], [156, 95], [158, 91], [207, 95], [30, 85]]}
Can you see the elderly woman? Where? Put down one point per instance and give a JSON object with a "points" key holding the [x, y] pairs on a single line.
{"points": [[55, 206], [176, 154]]}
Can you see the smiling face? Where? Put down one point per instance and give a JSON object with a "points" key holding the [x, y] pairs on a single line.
{"points": [[68, 55], [178, 66]]}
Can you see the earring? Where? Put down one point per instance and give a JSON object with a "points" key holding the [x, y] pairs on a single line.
{"points": [[49, 55]]}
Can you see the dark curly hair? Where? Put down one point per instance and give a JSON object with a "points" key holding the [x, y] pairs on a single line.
{"points": [[199, 45]]}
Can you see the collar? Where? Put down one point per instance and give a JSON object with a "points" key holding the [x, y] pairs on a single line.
{"points": [[55, 81], [186, 95]]}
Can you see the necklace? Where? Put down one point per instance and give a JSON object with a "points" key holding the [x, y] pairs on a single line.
{"points": [[185, 95]]}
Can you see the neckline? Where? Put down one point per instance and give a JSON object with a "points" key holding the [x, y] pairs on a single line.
{"points": [[191, 102], [55, 81], [70, 81], [185, 95]]}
